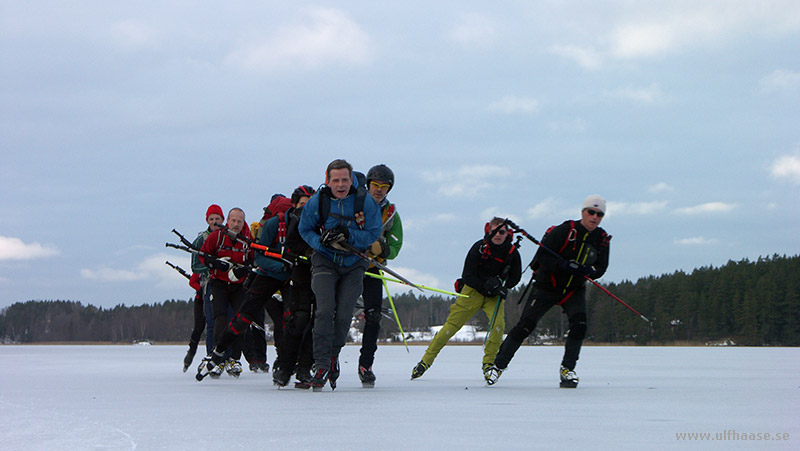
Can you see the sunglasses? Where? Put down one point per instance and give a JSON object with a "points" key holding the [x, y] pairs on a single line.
{"points": [[501, 232], [591, 212], [377, 185]]}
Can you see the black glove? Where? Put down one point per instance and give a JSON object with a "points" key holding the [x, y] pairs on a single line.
{"points": [[494, 287], [333, 237], [220, 264], [576, 269], [238, 273]]}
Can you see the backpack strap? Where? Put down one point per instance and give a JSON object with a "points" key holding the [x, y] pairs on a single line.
{"points": [[326, 195]]}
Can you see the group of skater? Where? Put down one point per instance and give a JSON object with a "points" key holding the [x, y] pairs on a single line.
{"points": [[312, 256]]}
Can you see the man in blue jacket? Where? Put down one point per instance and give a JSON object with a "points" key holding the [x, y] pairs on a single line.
{"points": [[337, 220]]}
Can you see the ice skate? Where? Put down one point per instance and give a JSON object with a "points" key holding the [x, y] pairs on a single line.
{"points": [[366, 376], [568, 378]]}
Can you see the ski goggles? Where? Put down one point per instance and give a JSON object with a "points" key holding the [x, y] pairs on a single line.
{"points": [[381, 186]]}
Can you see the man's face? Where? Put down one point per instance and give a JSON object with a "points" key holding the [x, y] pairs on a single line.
{"points": [[500, 236], [236, 221], [340, 182], [590, 218], [214, 220], [302, 201], [378, 189]]}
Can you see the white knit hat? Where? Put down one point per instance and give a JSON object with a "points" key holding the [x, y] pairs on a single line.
{"points": [[596, 202]]}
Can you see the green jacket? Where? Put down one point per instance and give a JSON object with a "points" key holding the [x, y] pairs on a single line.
{"points": [[197, 266], [392, 230]]}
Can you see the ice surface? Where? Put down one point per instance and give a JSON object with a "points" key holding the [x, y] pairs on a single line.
{"points": [[136, 397]]}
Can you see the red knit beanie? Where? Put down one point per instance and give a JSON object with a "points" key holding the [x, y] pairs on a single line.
{"points": [[214, 209]]}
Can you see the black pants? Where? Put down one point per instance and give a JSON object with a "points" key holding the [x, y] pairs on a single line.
{"points": [[373, 298], [255, 341], [296, 344], [224, 296], [540, 302], [199, 320], [261, 290]]}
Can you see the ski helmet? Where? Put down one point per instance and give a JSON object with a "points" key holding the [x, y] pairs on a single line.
{"points": [[359, 180], [381, 172], [300, 191]]}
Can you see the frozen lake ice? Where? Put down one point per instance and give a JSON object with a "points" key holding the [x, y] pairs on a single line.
{"points": [[137, 397]]}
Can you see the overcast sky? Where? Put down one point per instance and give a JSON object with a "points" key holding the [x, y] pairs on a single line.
{"points": [[123, 120]]}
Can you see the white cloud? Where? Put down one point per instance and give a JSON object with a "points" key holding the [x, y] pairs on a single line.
{"points": [[661, 187], [780, 81], [649, 95], [473, 30], [787, 167], [112, 275], [636, 208], [585, 57], [15, 249], [545, 208], [329, 37], [653, 29], [709, 207], [152, 269], [695, 241], [514, 105], [467, 180]]}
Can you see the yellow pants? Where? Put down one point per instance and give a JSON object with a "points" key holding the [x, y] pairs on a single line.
{"points": [[460, 312]]}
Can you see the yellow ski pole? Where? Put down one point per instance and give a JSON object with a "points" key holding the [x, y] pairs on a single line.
{"points": [[394, 310], [385, 278]]}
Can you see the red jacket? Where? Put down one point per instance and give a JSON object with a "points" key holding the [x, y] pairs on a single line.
{"points": [[219, 244]]}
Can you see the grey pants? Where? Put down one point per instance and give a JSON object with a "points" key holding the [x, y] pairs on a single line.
{"points": [[336, 289]]}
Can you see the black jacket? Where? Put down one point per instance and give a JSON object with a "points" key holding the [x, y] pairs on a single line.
{"points": [[486, 259], [572, 242]]}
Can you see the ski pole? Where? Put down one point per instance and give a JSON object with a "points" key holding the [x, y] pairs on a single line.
{"points": [[384, 311], [491, 321], [424, 287], [561, 259], [179, 269], [394, 311], [349, 248], [183, 239]]}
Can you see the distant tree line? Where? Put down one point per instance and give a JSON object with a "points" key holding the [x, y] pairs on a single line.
{"points": [[744, 302]]}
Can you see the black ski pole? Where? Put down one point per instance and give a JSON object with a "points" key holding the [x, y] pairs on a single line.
{"points": [[349, 248], [179, 269]]}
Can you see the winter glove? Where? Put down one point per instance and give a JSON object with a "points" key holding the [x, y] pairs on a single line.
{"points": [[494, 287], [333, 238], [194, 282], [379, 248], [238, 273], [220, 264], [576, 269]]}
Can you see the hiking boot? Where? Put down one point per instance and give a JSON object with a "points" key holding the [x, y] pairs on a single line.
{"points": [[568, 378], [419, 370], [367, 376]]}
